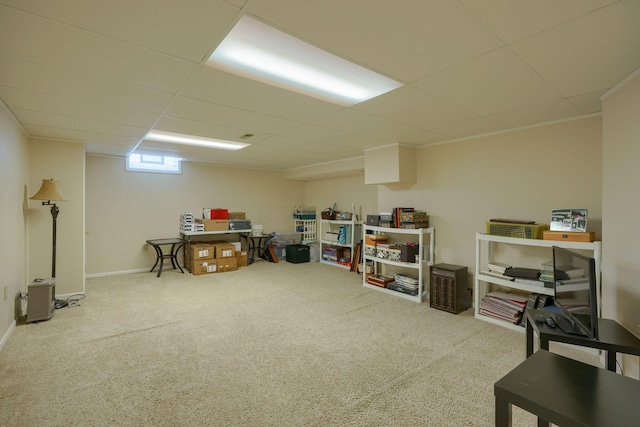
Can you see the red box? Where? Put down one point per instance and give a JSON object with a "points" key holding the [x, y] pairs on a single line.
{"points": [[215, 213]]}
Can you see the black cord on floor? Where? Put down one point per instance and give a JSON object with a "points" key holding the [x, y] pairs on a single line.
{"points": [[70, 301]]}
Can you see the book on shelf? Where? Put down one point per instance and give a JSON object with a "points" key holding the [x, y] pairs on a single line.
{"points": [[511, 319], [493, 307], [504, 305], [569, 272], [496, 275], [498, 267], [532, 282], [511, 298], [523, 273]]}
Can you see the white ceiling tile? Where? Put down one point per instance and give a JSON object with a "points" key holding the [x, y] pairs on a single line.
{"points": [[399, 101], [186, 29], [548, 112], [434, 113], [423, 138], [326, 151], [193, 109], [333, 137], [589, 102], [219, 87], [593, 52], [54, 121], [470, 128], [61, 46], [360, 123], [209, 130], [38, 78], [119, 144], [490, 84], [514, 20], [55, 104], [404, 39]]}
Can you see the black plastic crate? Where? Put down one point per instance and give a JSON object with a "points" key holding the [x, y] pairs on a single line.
{"points": [[298, 253]]}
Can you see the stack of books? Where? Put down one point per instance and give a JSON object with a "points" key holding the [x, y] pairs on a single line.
{"points": [[546, 274], [567, 274], [505, 306], [497, 269]]}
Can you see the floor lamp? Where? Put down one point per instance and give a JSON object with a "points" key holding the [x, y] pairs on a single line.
{"points": [[49, 192]]}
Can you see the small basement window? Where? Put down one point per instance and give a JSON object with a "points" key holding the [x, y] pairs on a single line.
{"points": [[154, 163]]}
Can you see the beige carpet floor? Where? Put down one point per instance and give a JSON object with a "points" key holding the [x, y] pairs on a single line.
{"points": [[267, 345]]}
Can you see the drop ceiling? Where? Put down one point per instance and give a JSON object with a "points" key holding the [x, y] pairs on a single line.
{"points": [[103, 73]]}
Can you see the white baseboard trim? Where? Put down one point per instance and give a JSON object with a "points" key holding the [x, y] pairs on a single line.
{"points": [[6, 336], [116, 273]]}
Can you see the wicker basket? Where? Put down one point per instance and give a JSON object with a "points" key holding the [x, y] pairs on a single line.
{"points": [[523, 231], [328, 214]]}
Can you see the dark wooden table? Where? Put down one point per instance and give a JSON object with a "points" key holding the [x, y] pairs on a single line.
{"points": [[612, 338], [567, 393]]}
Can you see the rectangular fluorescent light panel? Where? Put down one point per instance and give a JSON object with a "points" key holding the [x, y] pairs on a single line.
{"points": [[259, 52], [180, 138]]}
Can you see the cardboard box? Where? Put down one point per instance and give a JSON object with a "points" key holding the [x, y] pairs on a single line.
{"points": [[237, 215], [214, 224], [373, 239], [201, 251], [569, 236], [225, 250], [204, 267], [242, 258], [227, 264]]}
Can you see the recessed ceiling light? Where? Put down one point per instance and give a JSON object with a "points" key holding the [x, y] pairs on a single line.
{"points": [[180, 138], [259, 52]]}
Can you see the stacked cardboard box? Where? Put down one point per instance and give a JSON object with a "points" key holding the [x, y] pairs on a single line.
{"points": [[200, 258], [226, 257]]}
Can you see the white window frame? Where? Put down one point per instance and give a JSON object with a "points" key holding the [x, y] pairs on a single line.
{"points": [[150, 165]]}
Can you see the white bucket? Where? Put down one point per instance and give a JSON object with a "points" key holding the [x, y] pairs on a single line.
{"points": [[256, 230]]}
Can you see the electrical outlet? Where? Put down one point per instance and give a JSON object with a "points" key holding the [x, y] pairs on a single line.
{"points": [[6, 292]]}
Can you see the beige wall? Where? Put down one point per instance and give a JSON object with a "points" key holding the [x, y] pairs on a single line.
{"points": [[124, 209], [14, 157], [519, 175], [620, 249], [343, 192], [64, 162]]}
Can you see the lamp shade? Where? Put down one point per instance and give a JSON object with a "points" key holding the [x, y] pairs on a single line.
{"points": [[48, 191]]}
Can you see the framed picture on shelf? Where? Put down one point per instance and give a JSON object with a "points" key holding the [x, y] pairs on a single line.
{"points": [[569, 220]]}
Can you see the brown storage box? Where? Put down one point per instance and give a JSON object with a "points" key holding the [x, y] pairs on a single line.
{"points": [[204, 267], [214, 224], [201, 251], [569, 236], [225, 250], [373, 239], [227, 264], [237, 215], [242, 258]]}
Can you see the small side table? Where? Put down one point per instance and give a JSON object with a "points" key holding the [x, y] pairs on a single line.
{"points": [[256, 245], [566, 392], [175, 244], [612, 337]]}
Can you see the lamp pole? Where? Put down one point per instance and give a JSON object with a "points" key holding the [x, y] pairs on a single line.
{"points": [[54, 216]]}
